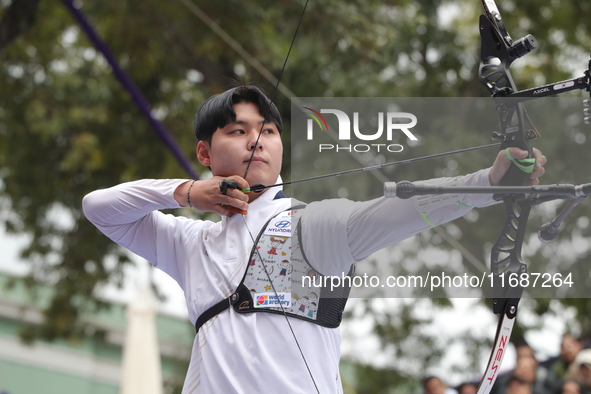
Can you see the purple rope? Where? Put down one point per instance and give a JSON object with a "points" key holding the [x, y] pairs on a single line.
{"points": [[128, 84]]}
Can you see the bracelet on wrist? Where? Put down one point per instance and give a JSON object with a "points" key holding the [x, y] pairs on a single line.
{"points": [[189, 193]]}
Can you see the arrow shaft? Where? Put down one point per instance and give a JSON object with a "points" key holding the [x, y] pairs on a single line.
{"points": [[260, 188]]}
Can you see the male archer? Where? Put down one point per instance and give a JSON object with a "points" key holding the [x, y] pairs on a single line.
{"points": [[242, 344]]}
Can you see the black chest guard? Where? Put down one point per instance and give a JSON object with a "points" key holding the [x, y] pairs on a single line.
{"points": [[279, 279]]}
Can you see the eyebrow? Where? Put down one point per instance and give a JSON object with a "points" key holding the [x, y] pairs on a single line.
{"points": [[245, 123]]}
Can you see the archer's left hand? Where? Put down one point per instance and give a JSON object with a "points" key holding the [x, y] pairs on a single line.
{"points": [[502, 164]]}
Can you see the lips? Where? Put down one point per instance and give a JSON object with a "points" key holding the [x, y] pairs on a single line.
{"points": [[256, 159]]}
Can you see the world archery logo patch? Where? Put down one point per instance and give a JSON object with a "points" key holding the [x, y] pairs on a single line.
{"points": [[262, 300], [272, 300]]}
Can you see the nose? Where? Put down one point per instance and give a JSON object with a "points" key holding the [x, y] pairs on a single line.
{"points": [[255, 143]]}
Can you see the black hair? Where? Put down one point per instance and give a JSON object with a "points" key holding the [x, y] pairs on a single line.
{"points": [[513, 378], [430, 378], [218, 110], [521, 342]]}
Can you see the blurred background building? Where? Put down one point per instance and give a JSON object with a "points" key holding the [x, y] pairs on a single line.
{"points": [[94, 363]]}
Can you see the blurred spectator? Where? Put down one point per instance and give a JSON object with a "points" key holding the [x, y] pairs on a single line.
{"points": [[527, 377], [569, 387], [580, 370], [467, 388], [434, 385], [523, 350], [517, 386], [526, 370], [558, 366]]}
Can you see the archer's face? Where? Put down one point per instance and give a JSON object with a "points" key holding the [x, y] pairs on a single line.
{"points": [[232, 146]]}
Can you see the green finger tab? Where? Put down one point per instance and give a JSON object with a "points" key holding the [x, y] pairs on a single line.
{"points": [[526, 165]]}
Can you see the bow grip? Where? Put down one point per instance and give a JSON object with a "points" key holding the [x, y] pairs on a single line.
{"points": [[519, 172]]}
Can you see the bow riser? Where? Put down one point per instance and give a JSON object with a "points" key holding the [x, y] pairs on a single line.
{"points": [[494, 74], [514, 134]]}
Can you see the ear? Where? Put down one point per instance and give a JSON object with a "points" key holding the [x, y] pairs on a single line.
{"points": [[203, 153]]}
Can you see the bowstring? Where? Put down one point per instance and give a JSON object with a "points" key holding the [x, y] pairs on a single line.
{"points": [[281, 305], [379, 166], [270, 102], [264, 113]]}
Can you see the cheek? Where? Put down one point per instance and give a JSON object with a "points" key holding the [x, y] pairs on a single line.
{"points": [[224, 153], [279, 155]]}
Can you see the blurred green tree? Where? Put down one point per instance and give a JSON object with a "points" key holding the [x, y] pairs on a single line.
{"points": [[67, 127]]}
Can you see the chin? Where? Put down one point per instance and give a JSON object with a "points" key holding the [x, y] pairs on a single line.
{"points": [[258, 181], [258, 177], [261, 181]]}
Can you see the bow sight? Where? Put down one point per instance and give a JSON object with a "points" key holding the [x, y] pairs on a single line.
{"points": [[498, 51]]}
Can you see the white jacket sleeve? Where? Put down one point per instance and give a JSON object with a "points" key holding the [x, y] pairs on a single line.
{"points": [[129, 214], [338, 233]]}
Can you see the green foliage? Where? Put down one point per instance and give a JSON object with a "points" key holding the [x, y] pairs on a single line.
{"points": [[67, 127]]}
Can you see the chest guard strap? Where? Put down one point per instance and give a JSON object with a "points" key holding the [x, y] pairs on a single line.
{"points": [[279, 279]]}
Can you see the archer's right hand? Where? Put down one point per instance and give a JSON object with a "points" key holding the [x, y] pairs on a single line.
{"points": [[205, 195]]}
